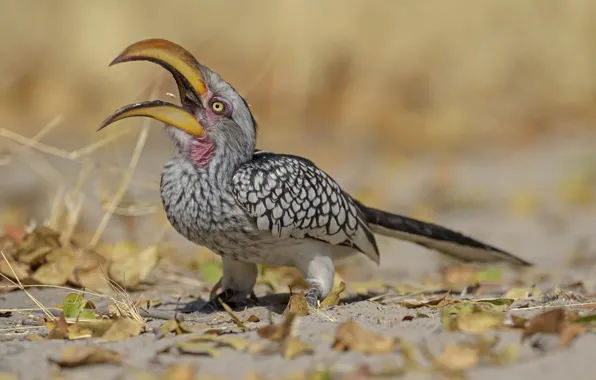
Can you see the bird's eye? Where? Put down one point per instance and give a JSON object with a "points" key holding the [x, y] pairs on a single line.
{"points": [[218, 107]]}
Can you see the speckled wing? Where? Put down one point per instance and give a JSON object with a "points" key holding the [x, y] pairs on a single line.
{"points": [[291, 197]]}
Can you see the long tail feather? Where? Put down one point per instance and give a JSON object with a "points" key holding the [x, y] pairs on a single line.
{"points": [[435, 237]]}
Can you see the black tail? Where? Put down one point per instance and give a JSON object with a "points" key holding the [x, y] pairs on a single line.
{"points": [[433, 236]]}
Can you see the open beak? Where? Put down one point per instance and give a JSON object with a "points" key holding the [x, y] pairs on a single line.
{"points": [[185, 69], [165, 112]]}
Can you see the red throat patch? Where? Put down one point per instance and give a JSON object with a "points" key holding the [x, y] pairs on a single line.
{"points": [[201, 152]]}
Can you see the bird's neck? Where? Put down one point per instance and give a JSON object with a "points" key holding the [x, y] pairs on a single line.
{"points": [[217, 160]]}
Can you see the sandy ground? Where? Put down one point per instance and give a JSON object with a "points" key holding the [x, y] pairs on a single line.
{"points": [[544, 237]]}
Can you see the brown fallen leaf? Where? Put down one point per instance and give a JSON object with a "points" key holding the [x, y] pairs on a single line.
{"points": [[278, 333], [174, 326], [197, 347], [333, 298], [58, 328], [61, 263], [297, 305], [122, 329], [550, 322], [253, 318], [235, 318], [180, 372], [350, 336], [21, 271], [555, 321], [570, 332], [74, 356], [132, 268], [454, 359], [440, 302]]}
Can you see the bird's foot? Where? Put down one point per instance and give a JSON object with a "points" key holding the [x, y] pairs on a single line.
{"points": [[312, 297], [232, 298]]}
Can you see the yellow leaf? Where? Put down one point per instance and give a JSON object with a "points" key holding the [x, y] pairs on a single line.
{"points": [[230, 312], [350, 336], [457, 358], [523, 293], [130, 270], [20, 270], [197, 348], [57, 271], [121, 329], [479, 323], [253, 318], [74, 356], [333, 298]]}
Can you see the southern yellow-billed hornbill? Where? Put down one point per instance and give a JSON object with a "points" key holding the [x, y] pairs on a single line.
{"points": [[254, 207]]}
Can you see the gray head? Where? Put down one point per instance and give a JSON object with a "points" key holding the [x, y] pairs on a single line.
{"points": [[214, 122]]}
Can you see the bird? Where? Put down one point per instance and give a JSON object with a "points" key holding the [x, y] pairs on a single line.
{"points": [[252, 206]]}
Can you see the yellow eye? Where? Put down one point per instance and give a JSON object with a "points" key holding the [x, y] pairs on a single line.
{"points": [[218, 107]]}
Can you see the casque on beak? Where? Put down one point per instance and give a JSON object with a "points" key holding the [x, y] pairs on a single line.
{"points": [[185, 69]]}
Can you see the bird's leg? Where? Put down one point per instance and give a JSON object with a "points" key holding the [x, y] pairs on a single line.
{"points": [[237, 282], [318, 271]]}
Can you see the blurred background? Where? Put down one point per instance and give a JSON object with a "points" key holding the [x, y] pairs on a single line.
{"points": [[478, 115]]}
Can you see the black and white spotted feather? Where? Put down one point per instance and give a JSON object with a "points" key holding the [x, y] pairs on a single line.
{"points": [[291, 197]]}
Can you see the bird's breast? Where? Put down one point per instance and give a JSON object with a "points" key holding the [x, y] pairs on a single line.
{"points": [[203, 211]]}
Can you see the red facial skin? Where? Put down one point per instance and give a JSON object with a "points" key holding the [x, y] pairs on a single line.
{"points": [[203, 149]]}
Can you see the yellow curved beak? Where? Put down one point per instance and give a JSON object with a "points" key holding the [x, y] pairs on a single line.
{"points": [[185, 69], [170, 56], [159, 110]]}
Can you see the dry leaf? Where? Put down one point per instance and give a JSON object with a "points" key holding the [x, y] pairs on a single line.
{"points": [[132, 268], [180, 372], [20, 270], [479, 323], [333, 298], [523, 293], [121, 329], [458, 358], [297, 305], [550, 322], [230, 312], [570, 332], [505, 356], [350, 336], [556, 321], [174, 326], [294, 347], [196, 347], [253, 318], [74, 356], [278, 333], [61, 263], [58, 328], [437, 303]]}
